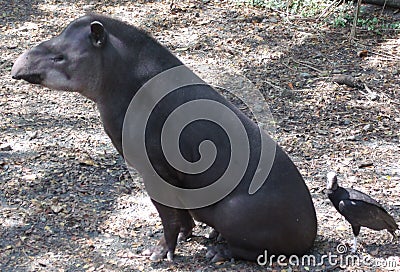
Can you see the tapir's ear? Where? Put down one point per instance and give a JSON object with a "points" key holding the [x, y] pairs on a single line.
{"points": [[98, 34]]}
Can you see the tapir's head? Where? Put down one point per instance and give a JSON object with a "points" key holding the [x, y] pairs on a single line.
{"points": [[95, 55], [71, 61]]}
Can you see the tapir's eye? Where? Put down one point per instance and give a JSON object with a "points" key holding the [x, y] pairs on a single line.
{"points": [[58, 58]]}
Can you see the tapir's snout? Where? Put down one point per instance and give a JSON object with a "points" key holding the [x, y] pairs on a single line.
{"points": [[31, 78], [23, 68]]}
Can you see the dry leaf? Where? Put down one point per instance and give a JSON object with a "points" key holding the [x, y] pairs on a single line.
{"points": [[362, 53]]}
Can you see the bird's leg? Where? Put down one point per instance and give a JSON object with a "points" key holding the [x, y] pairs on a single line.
{"points": [[356, 231], [354, 247]]}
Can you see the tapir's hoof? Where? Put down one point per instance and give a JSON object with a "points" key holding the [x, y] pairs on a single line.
{"points": [[158, 253], [170, 256], [219, 253], [215, 235], [182, 237], [156, 257]]}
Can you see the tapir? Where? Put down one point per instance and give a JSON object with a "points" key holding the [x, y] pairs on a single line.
{"points": [[110, 62]]}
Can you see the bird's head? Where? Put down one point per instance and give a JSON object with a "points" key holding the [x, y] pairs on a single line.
{"points": [[331, 183]]}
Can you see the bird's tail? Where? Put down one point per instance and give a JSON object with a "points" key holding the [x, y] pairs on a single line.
{"points": [[392, 226]]}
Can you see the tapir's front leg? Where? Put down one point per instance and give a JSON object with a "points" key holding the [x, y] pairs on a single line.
{"points": [[174, 221]]}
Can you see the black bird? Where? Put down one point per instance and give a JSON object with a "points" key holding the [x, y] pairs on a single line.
{"points": [[359, 209]]}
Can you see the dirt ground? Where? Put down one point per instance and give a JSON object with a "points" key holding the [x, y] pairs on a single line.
{"points": [[68, 202]]}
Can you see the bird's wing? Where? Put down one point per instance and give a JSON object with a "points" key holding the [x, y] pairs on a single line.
{"points": [[357, 195], [359, 212]]}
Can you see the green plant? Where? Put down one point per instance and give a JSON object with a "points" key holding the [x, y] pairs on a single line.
{"points": [[339, 22], [304, 8], [307, 8], [341, 16], [342, 20], [369, 24], [274, 4], [395, 25]]}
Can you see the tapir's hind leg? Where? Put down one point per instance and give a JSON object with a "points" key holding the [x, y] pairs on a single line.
{"points": [[220, 252], [174, 221], [187, 225], [224, 252]]}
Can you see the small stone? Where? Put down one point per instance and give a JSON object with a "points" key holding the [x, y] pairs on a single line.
{"points": [[56, 208], [353, 138], [88, 8], [5, 147], [367, 127], [305, 75], [30, 177], [373, 96], [32, 134]]}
